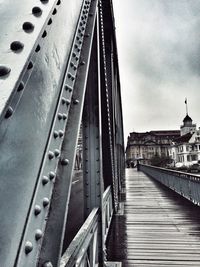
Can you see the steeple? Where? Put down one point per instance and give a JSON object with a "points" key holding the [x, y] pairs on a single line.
{"points": [[187, 126]]}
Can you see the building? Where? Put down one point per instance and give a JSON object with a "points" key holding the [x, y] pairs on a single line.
{"points": [[148, 144], [185, 150]]}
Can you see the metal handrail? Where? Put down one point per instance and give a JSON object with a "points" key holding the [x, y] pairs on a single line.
{"points": [[86, 239], [86, 236], [107, 211], [187, 185]]}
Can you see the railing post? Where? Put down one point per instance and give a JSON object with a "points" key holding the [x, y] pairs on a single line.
{"points": [[92, 144]]}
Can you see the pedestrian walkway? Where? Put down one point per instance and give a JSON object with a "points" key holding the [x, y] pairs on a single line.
{"points": [[158, 227]]}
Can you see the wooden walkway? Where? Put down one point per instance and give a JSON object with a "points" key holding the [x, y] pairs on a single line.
{"points": [[158, 228]]}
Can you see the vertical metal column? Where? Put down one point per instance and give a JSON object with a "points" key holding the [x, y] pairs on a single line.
{"points": [[92, 144]]}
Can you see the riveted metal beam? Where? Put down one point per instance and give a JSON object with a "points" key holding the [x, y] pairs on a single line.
{"points": [[92, 143], [53, 237], [26, 138]]}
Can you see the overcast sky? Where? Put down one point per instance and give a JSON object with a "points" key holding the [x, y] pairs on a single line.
{"points": [[159, 60]]}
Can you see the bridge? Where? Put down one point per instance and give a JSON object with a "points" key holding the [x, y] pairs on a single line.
{"points": [[59, 79]]}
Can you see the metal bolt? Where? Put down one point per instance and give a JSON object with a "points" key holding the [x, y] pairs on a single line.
{"points": [[16, 46], [38, 234], [9, 112], [28, 247], [45, 201], [37, 11], [61, 133], [55, 134], [49, 22], [45, 180], [28, 27], [57, 152], [47, 264], [37, 210], [20, 87], [37, 49], [54, 11], [64, 116], [30, 65], [67, 102], [44, 34], [82, 63], [4, 71], [60, 116], [76, 101], [51, 155], [63, 100], [65, 162], [68, 88], [52, 175]]}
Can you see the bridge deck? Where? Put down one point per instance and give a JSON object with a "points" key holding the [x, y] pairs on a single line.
{"points": [[158, 227]]}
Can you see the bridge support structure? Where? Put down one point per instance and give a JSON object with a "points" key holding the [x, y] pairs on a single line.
{"points": [[58, 63]]}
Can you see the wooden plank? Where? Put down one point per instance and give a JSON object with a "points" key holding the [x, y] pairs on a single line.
{"points": [[158, 228]]}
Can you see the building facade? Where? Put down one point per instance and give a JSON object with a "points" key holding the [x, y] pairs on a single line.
{"points": [[145, 145]]}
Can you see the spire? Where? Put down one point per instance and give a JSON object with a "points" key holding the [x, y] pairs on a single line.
{"points": [[186, 106]]}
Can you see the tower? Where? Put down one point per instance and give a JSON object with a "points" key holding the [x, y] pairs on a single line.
{"points": [[187, 126]]}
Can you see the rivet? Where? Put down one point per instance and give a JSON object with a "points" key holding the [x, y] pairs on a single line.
{"points": [[67, 102], [30, 65], [64, 162], [52, 175], [37, 210], [68, 88], [54, 11], [77, 58], [91, 14], [82, 63], [38, 234], [37, 11], [51, 155], [28, 247], [64, 116], [57, 152], [9, 112], [61, 133], [76, 101], [45, 201], [58, 3], [37, 48], [45, 180], [4, 71], [20, 87], [74, 54], [44, 34], [63, 100], [44, 1], [60, 116], [87, 35], [55, 134], [16, 46], [49, 22], [28, 27], [47, 264]]}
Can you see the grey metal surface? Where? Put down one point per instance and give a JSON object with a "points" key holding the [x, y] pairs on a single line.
{"points": [[24, 136], [187, 185], [54, 233]]}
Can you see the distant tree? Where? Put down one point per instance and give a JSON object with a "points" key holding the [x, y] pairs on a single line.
{"points": [[160, 161]]}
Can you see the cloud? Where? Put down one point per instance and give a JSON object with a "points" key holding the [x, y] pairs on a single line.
{"points": [[159, 56]]}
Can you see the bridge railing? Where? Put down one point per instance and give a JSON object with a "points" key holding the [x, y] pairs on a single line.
{"points": [[83, 250], [187, 185]]}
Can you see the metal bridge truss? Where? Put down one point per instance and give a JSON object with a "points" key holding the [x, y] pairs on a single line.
{"points": [[58, 68], [187, 185]]}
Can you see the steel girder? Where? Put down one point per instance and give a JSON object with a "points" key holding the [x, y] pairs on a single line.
{"points": [[45, 54]]}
